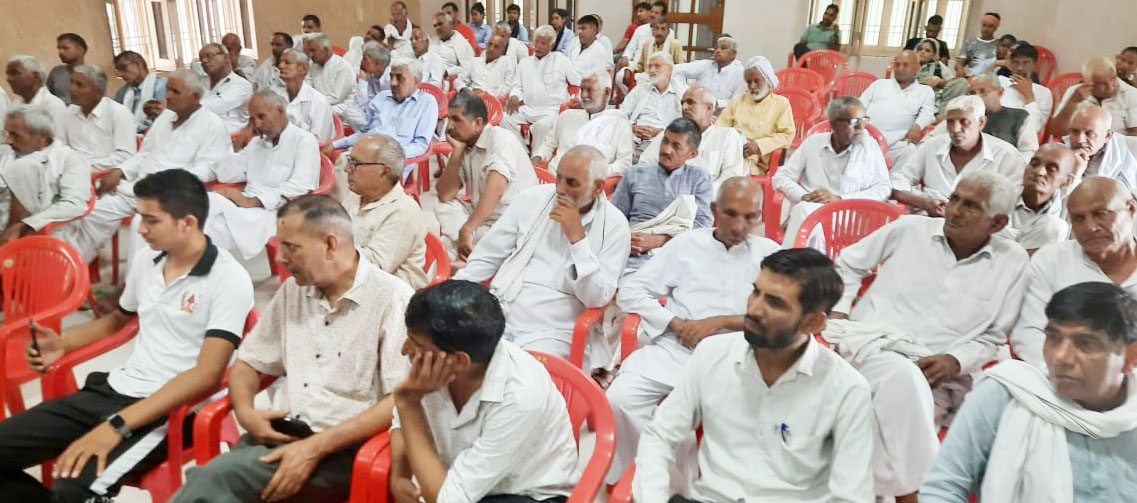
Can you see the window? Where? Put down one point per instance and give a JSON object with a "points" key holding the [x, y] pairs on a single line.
{"points": [[882, 27], [168, 33]]}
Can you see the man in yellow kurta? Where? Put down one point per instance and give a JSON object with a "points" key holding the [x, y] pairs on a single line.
{"points": [[661, 41], [764, 118]]}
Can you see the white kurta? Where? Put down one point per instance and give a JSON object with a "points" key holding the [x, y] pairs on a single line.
{"points": [[517, 50], [647, 106], [724, 82], [895, 110], [335, 79], [1122, 106], [542, 85], [931, 165], [229, 99], [53, 184], [402, 39], [145, 93], [105, 138], [310, 111], [720, 154], [492, 77], [611, 133], [596, 56], [47, 102], [1039, 109], [1034, 229], [433, 68], [456, 52]]}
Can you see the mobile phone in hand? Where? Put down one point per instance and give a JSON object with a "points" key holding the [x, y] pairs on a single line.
{"points": [[32, 330], [292, 427]]}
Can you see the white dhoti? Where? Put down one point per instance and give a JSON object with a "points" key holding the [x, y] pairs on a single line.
{"points": [[103, 221], [451, 217], [540, 119], [235, 228]]}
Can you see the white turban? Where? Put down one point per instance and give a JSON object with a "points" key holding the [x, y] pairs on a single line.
{"points": [[764, 67]]}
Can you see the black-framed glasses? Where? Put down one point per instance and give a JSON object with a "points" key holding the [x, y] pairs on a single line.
{"points": [[353, 163]]}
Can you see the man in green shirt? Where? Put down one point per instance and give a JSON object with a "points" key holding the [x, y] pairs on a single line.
{"points": [[823, 35]]}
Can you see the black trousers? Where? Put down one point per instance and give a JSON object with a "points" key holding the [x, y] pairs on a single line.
{"points": [[43, 432]]}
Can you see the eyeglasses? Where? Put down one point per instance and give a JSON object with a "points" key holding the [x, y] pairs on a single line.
{"points": [[353, 163], [857, 122]]}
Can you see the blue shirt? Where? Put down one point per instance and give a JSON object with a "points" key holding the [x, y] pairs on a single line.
{"points": [[647, 189], [567, 36], [482, 33], [1104, 470], [411, 122], [522, 33]]}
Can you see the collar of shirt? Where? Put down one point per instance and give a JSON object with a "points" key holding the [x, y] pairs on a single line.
{"points": [[390, 197], [223, 82], [352, 293], [745, 363], [828, 145], [96, 113], [984, 141], [485, 139], [1048, 208], [671, 89], [203, 265], [304, 95], [939, 236]]}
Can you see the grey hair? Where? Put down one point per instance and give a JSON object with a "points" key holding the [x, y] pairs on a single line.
{"points": [[836, 108], [502, 25], [1085, 108], [30, 64], [36, 119], [545, 31], [688, 127], [601, 75], [597, 162], [322, 214], [972, 104], [729, 40], [704, 95], [194, 83], [1001, 193], [412, 65], [662, 55], [445, 17], [95, 73], [1097, 64], [272, 98], [298, 56], [320, 39], [377, 52], [388, 152]]}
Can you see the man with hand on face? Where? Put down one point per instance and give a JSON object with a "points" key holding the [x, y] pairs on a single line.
{"points": [[1101, 87], [1099, 151], [1019, 91], [1039, 216], [765, 119], [720, 149], [946, 292], [376, 70], [335, 329], [591, 124], [228, 94]]}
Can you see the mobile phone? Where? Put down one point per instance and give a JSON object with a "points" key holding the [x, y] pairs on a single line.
{"points": [[32, 330], [292, 427]]}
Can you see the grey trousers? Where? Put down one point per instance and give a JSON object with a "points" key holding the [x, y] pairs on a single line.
{"points": [[238, 476]]}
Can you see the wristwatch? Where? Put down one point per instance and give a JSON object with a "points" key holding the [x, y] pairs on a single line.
{"points": [[119, 424]]}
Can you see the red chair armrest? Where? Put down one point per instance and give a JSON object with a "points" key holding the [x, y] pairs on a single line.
{"points": [[207, 426], [629, 333], [580, 330], [54, 383], [370, 473], [622, 491]]}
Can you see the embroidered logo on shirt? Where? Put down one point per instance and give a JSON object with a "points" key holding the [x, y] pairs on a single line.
{"points": [[189, 302]]}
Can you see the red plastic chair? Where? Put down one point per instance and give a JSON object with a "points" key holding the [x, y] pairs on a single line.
{"points": [[1060, 83], [338, 51], [800, 78], [1046, 65], [46, 230], [823, 127], [44, 279], [610, 184], [845, 222], [806, 109], [827, 63], [495, 111], [544, 176], [327, 176], [436, 254], [847, 84], [337, 123]]}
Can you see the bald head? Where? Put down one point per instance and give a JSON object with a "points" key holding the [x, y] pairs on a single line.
{"points": [[904, 67], [1101, 216], [737, 210], [1049, 170], [1089, 129]]}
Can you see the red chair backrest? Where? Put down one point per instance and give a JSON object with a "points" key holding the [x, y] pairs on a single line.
{"points": [[827, 63], [1061, 83], [848, 84], [585, 400], [494, 109], [337, 124], [338, 51], [845, 222], [823, 127], [327, 176], [801, 78], [436, 254], [544, 176], [439, 96], [610, 184], [806, 109], [1046, 65], [40, 273]]}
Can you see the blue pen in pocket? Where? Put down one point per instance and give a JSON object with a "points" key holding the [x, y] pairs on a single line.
{"points": [[784, 430]]}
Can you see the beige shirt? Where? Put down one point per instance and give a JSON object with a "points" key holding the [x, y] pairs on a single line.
{"points": [[390, 233], [340, 360], [498, 150]]}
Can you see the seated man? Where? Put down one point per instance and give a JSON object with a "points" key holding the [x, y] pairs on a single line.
{"points": [[843, 164], [335, 330], [1012, 125], [1126, 63], [764, 118], [330, 74], [1019, 91], [705, 275], [511, 411], [451, 9], [662, 40], [1102, 87], [900, 107], [115, 426], [516, 50], [652, 105], [539, 88], [1099, 150], [26, 76], [492, 72], [782, 417], [281, 162], [1039, 217], [1075, 423], [376, 67], [665, 199], [97, 128], [722, 73], [946, 292], [433, 68], [1102, 214], [48, 181], [307, 108], [267, 74], [977, 54], [633, 50], [387, 224], [823, 35], [139, 86], [228, 94], [556, 251], [489, 162], [591, 124], [398, 31], [929, 176], [456, 52], [243, 65], [720, 151], [185, 136], [587, 52], [72, 50]]}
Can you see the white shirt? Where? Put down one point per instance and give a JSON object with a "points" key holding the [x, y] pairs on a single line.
{"points": [[1115, 160], [858, 172], [3, 104], [492, 77], [513, 436], [1052, 268], [895, 110], [1039, 109], [402, 40], [543, 82], [335, 79], [105, 138], [806, 439], [1033, 229], [932, 165], [720, 154], [725, 82], [517, 50], [616, 145], [267, 76], [229, 99], [433, 68], [1122, 106], [275, 173], [195, 146], [963, 308], [53, 185], [456, 52], [646, 106], [47, 102], [310, 111], [641, 35], [596, 57]]}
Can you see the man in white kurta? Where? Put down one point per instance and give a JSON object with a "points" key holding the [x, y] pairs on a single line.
{"points": [[398, 31], [607, 130], [456, 52], [329, 73], [376, 68], [539, 88], [267, 74], [705, 275], [588, 52], [720, 150], [722, 73], [97, 128], [26, 76], [516, 50], [558, 250], [1039, 216], [281, 162], [228, 94], [307, 108], [900, 107], [946, 293], [433, 68], [655, 101], [491, 72]]}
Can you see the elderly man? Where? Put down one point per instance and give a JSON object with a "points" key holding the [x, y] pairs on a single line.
{"points": [[26, 77], [1075, 424], [652, 105], [661, 40], [282, 162], [388, 224], [517, 50], [398, 31], [450, 45], [539, 87], [228, 94], [845, 163], [48, 181], [765, 119], [1099, 150], [492, 72], [451, 9], [1103, 88], [587, 52], [267, 74], [97, 128], [1019, 91], [946, 292], [722, 73], [331, 75], [556, 251], [336, 330], [705, 275], [901, 107], [665, 199], [489, 162], [243, 65], [720, 151], [1012, 125], [433, 68], [929, 176], [1102, 215], [376, 65], [139, 86], [1039, 218], [307, 108], [977, 54], [72, 50], [185, 136], [609, 131]]}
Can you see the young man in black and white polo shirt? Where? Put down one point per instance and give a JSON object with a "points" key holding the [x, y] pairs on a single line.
{"points": [[191, 299]]}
